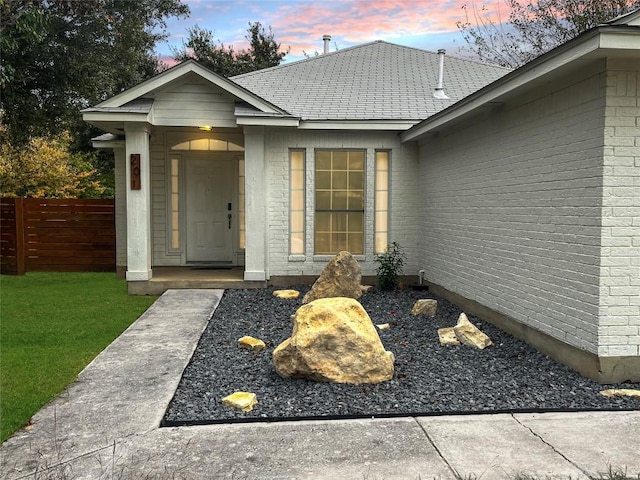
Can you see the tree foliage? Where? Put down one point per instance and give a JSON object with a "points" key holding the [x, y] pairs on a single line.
{"points": [[534, 26], [263, 51], [59, 56], [45, 168]]}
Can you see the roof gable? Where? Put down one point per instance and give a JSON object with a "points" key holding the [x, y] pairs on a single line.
{"points": [[181, 71]]}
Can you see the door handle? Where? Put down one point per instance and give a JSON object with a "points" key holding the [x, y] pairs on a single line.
{"points": [[229, 217]]}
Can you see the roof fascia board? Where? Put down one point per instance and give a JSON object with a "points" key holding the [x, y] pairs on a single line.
{"points": [[116, 117], [620, 38], [273, 122], [181, 70], [391, 125], [527, 73], [108, 144]]}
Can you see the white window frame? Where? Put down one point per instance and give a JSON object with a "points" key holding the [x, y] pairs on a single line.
{"points": [[300, 189], [174, 203], [381, 216], [364, 151]]}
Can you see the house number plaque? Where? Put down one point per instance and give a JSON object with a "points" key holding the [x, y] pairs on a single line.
{"points": [[136, 182]]}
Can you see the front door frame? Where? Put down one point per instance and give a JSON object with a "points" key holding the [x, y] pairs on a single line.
{"points": [[226, 256], [232, 158]]}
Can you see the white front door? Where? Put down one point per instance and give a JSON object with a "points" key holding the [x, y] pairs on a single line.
{"points": [[209, 198]]}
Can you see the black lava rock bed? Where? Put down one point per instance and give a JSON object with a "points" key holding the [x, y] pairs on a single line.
{"points": [[429, 378]]}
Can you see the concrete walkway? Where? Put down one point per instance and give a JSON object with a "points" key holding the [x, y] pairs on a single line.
{"points": [[106, 425]]}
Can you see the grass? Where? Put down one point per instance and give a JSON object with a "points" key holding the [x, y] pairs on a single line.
{"points": [[51, 326]]}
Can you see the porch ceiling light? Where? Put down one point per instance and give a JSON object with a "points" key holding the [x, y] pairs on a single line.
{"points": [[205, 128]]}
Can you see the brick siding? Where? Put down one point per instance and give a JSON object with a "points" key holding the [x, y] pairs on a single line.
{"points": [[403, 185], [512, 204], [620, 270]]}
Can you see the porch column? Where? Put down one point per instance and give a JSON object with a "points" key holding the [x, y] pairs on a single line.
{"points": [[138, 204], [256, 205]]}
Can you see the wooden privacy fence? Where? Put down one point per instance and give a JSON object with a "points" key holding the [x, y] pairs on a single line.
{"points": [[54, 235]]}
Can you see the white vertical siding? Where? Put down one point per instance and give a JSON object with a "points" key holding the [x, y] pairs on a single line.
{"points": [[620, 271], [193, 102], [404, 194], [511, 205], [159, 201], [120, 179]]}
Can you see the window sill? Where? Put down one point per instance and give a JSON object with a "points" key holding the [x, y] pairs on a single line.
{"points": [[297, 258]]}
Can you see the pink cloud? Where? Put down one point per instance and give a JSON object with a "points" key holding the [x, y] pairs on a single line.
{"points": [[300, 24], [303, 25]]}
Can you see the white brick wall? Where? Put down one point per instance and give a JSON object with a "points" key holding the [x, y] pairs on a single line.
{"points": [[511, 209], [404, 195], [620, 271]]}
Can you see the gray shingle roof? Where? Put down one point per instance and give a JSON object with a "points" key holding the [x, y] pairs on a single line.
{"points": [[374, 81]]}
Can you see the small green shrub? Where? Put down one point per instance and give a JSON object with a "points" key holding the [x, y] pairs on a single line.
{"points": [[390, 264]]}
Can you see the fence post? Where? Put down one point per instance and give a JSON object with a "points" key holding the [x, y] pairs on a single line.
{"points": [[20, 245]]}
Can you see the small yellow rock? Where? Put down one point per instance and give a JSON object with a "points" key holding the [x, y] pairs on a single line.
{"points": [[384, 326], [425, 306], [620, 392], [469, 335], [251, 343], [244, 401], [447, 336], [286, 294]]}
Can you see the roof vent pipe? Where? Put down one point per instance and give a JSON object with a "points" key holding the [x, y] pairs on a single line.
{"points": [[439, 91], [326, 39]]}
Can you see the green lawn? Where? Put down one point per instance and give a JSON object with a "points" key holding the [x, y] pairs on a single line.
{"points": [[51, 326]]}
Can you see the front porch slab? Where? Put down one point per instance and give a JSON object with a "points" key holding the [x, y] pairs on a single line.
{"points": [[165, 278]]}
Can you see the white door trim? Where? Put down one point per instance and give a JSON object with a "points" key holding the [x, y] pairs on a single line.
{"points": [[210, 187]]}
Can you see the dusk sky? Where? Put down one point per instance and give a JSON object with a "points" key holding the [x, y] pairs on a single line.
{"points": [[300, 24]]}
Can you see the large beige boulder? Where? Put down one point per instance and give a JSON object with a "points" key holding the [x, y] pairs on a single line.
{"points": [[334, 340], [340, 278]]}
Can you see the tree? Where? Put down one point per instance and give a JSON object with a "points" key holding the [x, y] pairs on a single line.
{"points": [[534, 27], [45, 168], [263, 51], [59, 56]]}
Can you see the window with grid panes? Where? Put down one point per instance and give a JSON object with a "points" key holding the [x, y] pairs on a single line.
{"points": [[296, 202], [339, 201], [381, 218]]}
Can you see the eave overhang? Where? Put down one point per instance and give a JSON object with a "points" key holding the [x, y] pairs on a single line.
{"points": [[107, 140], [268, 121], [373, 124], [113, 122]]}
